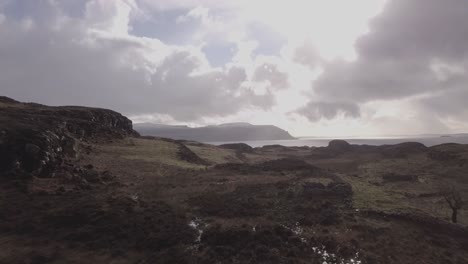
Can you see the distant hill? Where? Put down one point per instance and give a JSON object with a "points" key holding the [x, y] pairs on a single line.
{"points": [[223, 132]]}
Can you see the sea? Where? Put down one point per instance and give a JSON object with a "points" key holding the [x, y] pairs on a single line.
{"points": [[428, 140]]}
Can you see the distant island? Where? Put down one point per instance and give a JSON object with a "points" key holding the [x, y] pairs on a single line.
{"points": [[213, 133]]}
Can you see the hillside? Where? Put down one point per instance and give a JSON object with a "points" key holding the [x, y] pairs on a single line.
{"points": [[78, 185], [224, 132]]}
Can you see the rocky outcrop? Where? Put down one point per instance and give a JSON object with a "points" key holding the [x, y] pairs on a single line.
{"points": [[276, 148], [342, 147], [35, 139], [183, 152], [188, 155], [339, 146], [403, 150]]}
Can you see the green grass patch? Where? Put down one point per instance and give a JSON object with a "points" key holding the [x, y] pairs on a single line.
{"points": [[157, 151], [214, 154], [369, 196]]}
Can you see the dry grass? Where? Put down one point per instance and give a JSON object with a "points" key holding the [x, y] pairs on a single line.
{"points": [[157, 151], [370, 196], [214, 154]]}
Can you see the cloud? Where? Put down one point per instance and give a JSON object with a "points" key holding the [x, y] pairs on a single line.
{"points": [[315, 111], [198, 60], [414, 48], [396, 58], [449, 104], [269, 72], [93, 60], [178, 4], [306, 54]]}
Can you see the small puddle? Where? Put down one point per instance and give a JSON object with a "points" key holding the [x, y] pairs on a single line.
{"points": [[330, 258], [198, 225], [327, 257], [297, 230]]}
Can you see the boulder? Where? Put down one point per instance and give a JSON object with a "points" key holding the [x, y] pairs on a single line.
{"points": [[91, 175], [339, 145]]}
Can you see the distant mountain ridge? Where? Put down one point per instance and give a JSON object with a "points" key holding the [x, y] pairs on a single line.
{"points": [[212, 133]]}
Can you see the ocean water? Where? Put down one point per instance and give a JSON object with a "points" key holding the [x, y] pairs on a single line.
{"points": [[429, 141]]}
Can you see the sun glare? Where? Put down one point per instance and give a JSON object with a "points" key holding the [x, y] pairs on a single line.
{"points": [[332, 25]]}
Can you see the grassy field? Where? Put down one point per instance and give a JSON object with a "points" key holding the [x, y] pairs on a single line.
{"points": [[153, 151]]}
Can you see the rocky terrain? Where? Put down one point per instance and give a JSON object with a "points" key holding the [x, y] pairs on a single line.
{"points": [[79, 185]]}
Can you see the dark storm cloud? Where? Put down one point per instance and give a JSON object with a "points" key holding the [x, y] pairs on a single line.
{"points": [[414, 47]]}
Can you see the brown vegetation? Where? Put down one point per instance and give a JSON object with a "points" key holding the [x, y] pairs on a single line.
{"points": [[111, 197]]}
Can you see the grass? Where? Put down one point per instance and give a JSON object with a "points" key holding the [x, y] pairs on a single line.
{"points": [[324, 181], [214, 154], [156, 151], [369, 196]]}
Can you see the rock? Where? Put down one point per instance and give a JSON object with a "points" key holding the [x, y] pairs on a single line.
{"points": [[276, 147], [403, 150], [70, 147], [35, 139], [32, 149], [186, 154], [339, 145], [91, 175], [7, 100]]}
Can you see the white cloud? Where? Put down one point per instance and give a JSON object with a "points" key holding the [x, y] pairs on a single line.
{"points": [[2, 18], [88, 52], [94, 61]]}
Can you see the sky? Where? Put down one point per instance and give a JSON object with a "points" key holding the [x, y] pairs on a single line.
{"points": [[313, 67]]}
